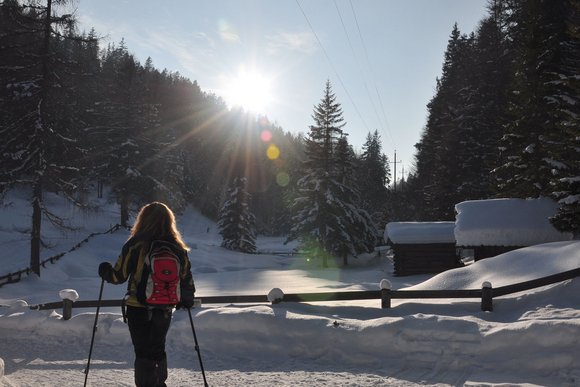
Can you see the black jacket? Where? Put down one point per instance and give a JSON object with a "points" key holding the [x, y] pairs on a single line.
{"points": [[130, 264]]}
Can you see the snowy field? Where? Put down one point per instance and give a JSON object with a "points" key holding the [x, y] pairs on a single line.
{"points": [[530, 339]]}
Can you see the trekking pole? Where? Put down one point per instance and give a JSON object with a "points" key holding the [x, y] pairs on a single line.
{"points": [[197, 348], [94, 330]]}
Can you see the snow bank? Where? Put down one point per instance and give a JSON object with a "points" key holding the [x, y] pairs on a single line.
{"points": [[420, 232], [542, 340], [506, 222], [510, 268]]}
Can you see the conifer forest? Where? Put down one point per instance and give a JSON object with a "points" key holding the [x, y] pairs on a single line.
{"points": [[79, 117]]}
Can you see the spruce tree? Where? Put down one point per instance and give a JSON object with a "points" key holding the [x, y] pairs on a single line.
{"points": [[90, 94], [525, 172], [39, 129], [541, 141], [130, 146], [514, 113], [357, 233], [492, 70], [458, 148], [312, 219], [438, 165], [326, 218], [563, 95], [373, 176], [236, 221]]}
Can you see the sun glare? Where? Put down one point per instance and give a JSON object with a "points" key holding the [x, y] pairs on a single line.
{"points": [[249, 89]]}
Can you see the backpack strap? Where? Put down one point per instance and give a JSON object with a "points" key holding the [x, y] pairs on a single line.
{"points": [[129, 292]]}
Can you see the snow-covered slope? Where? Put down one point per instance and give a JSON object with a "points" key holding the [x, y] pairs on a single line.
{"points": [[529, 339]]}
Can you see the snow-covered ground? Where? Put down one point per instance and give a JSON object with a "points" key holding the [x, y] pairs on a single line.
{"points": [[531, 338]]}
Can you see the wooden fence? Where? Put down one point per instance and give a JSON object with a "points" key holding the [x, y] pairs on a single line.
{"points": [[486, 294], [18, 275]]}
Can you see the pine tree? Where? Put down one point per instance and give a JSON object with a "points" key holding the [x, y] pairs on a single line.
{"points": [[525, 172], [563, 95], [312, 219], [236, 221], [541, 141], [129, 154], [39, 128], [357, 233], [185, 164], [492, 70], [91, 94], [438, 167], [373, 177], [276, 178], [326, 217], [458, 148]]}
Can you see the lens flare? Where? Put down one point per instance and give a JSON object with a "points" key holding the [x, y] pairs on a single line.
{"points": [[311, 249], [227, 32], [282, 179], [266, 135], [273, 152], [264, 121]]}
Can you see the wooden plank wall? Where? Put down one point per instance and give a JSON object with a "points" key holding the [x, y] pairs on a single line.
{"points": [[411, 259]]}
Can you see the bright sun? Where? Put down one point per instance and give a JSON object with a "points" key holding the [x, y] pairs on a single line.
{"points": [[249, 89]]}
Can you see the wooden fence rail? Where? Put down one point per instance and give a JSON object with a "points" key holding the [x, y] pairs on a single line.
{"points": [[536, 283], [18, 275], [486, 294]]}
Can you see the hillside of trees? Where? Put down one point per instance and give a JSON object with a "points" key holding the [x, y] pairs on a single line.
{"points": [[504, 120], [76, 116]]}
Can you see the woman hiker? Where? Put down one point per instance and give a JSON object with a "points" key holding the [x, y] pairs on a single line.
{"points": [[154, 260]]}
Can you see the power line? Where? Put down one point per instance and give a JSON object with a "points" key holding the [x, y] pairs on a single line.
{"points": [[357, 63], [332, 66], [372, 73]]}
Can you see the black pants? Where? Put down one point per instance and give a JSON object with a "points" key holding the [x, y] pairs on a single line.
{"points": [[148, 328]]}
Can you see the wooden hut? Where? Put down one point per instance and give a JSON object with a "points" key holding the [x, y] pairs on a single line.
{"points": [[495, 226], [422, 247]]}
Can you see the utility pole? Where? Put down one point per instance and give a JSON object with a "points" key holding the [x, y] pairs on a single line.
{"points": [[395, 170]]}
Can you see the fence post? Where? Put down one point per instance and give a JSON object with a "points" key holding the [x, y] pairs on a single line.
{"points": [[486, 297], [66, 309], [276, 296], [385, 294], [68, 296]]}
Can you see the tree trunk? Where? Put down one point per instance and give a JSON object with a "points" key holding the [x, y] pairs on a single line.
{"points": [[124, 209], [322, 244], [36, 223], [37, 187]]}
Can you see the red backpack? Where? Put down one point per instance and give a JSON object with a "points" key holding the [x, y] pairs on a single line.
{"points": [[160, 280]]}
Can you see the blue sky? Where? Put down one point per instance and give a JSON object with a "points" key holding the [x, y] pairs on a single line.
{"points": [[381, 56]]}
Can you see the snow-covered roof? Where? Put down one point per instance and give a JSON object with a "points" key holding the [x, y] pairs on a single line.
{"points": [[420, 232], [506, 222]]}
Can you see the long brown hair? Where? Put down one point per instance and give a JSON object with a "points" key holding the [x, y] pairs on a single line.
{"points": [[157, 221]]}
